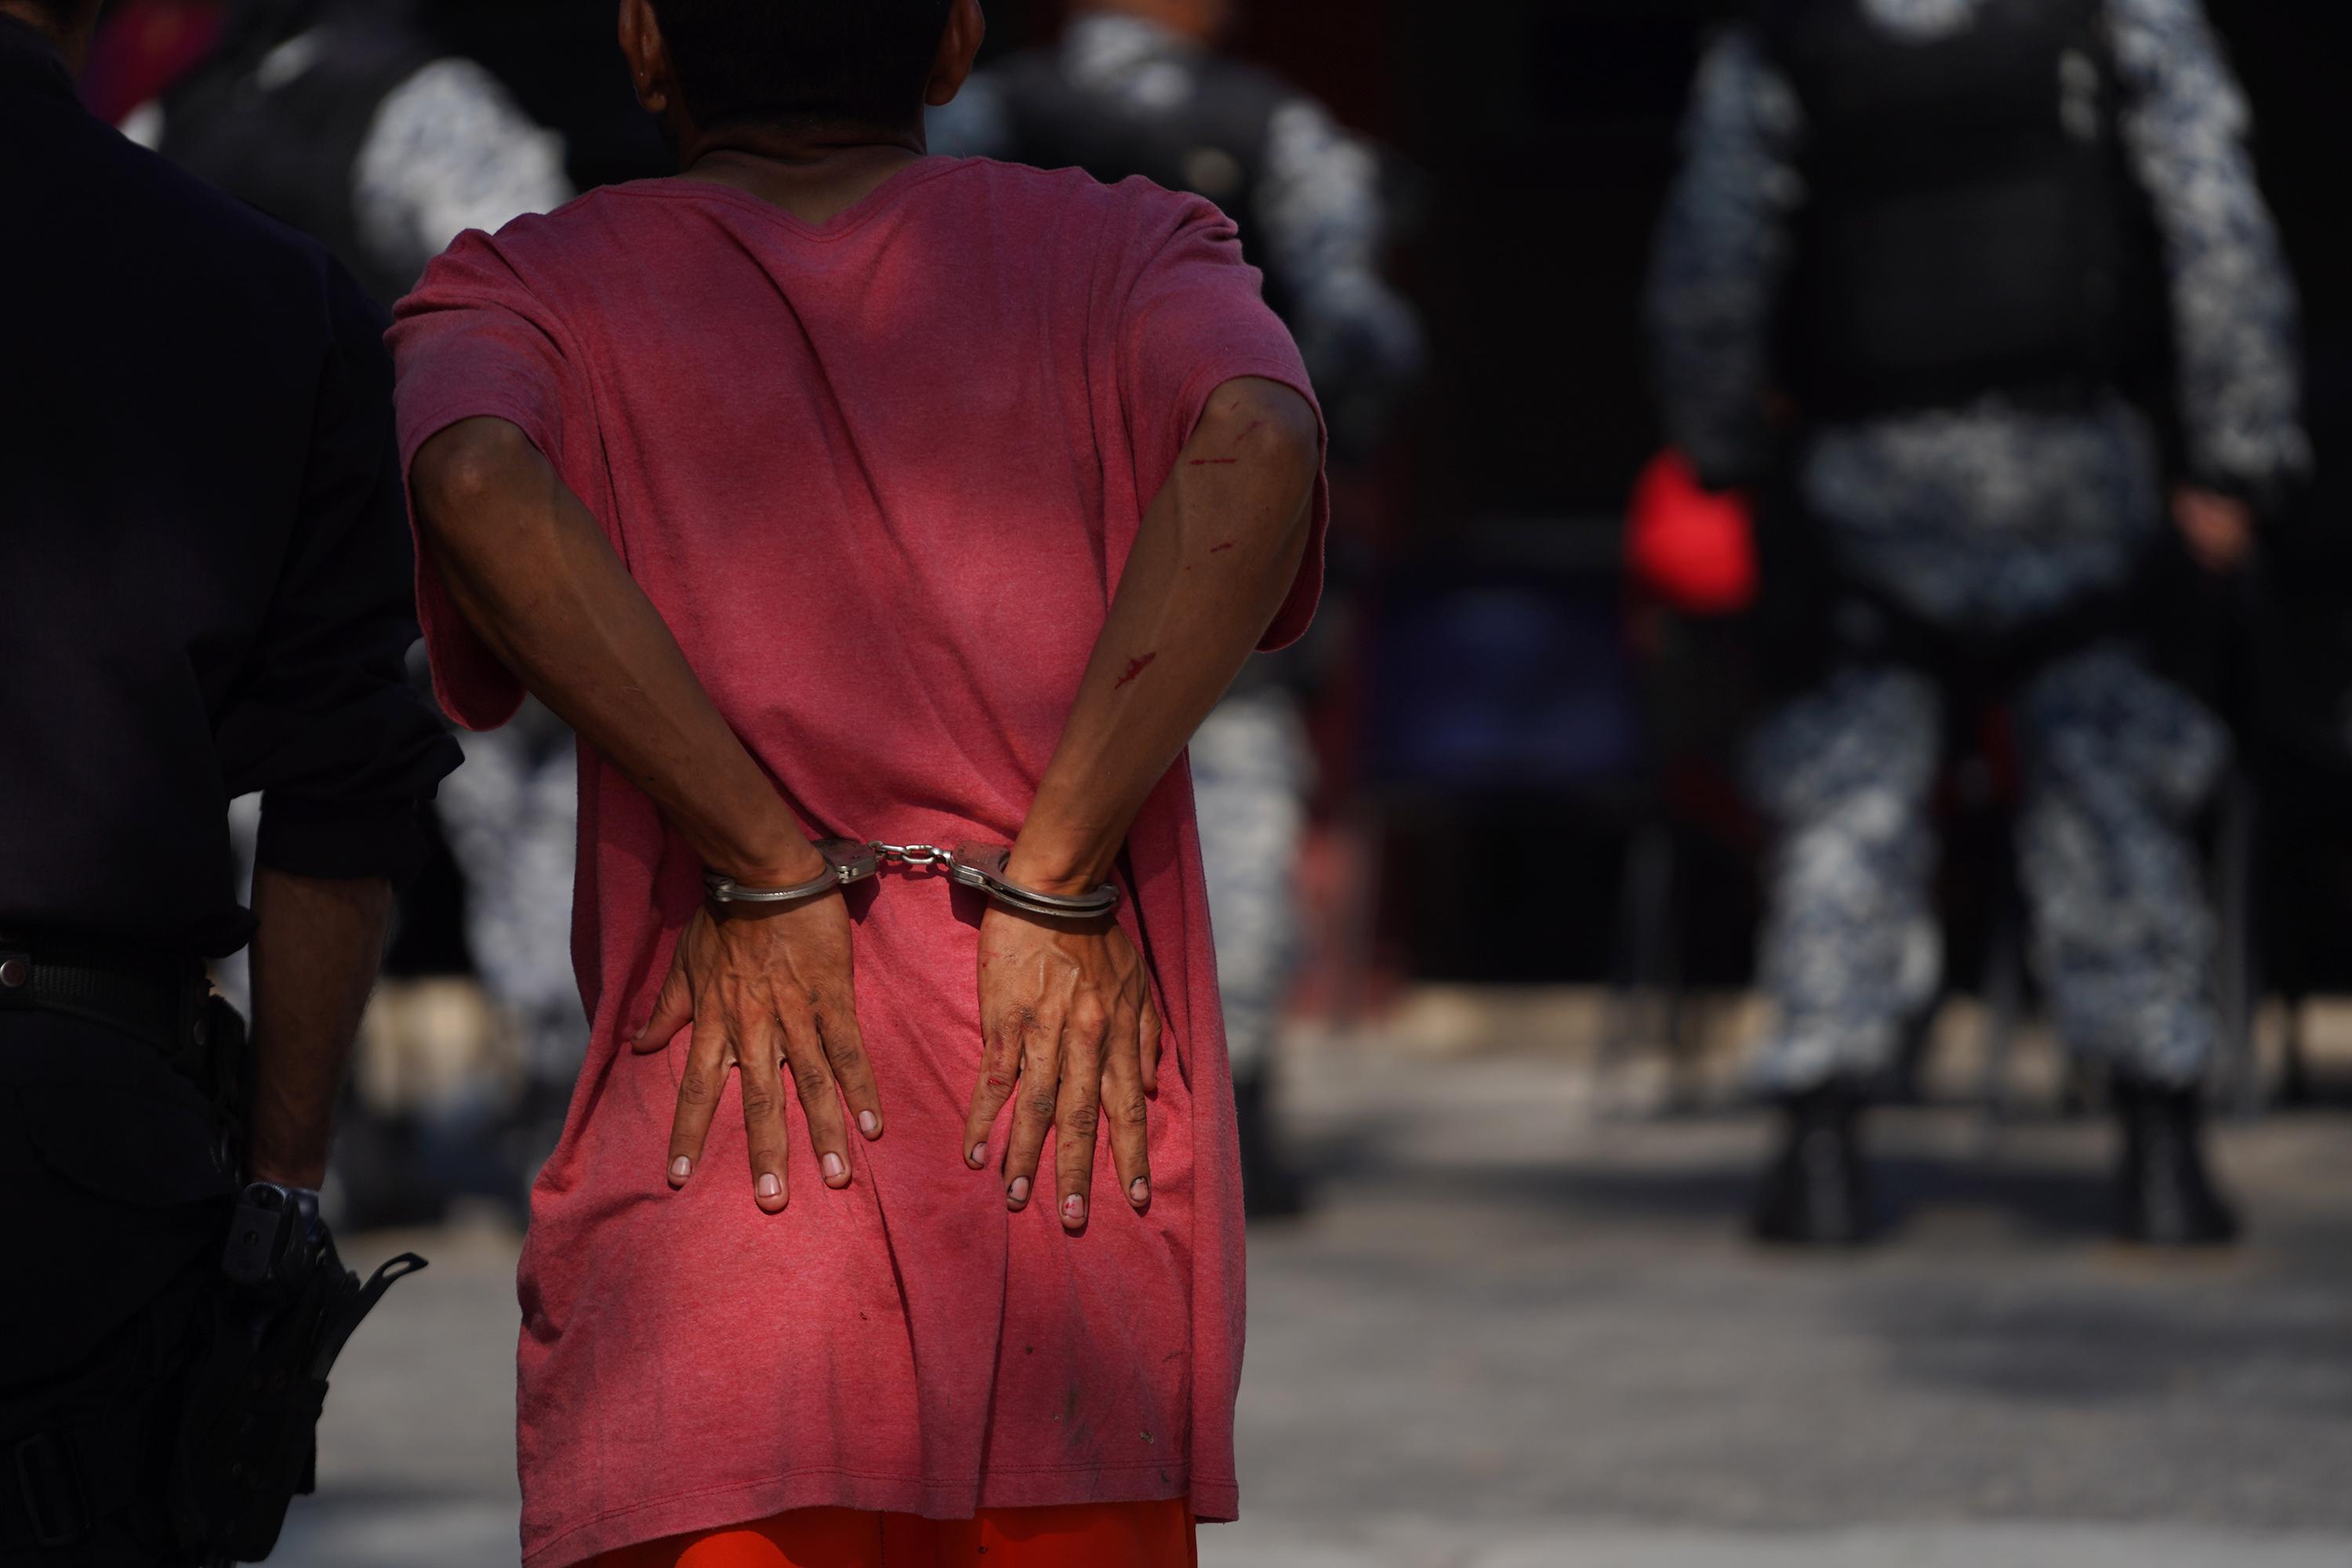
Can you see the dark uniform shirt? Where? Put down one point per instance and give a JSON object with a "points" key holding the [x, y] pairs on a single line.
{"points": [[204, 569]]}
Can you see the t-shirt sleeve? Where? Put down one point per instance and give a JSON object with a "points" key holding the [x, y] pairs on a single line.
{"points": [[1195, 319], [473, 341]]}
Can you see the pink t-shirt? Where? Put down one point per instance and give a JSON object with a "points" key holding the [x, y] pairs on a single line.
{"points": [[880, 478]]}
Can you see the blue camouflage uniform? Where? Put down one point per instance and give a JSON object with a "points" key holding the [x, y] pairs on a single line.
{"points": [[1988, 517]]}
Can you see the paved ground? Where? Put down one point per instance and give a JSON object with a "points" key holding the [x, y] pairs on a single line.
{"points": [[1516, 1332]]}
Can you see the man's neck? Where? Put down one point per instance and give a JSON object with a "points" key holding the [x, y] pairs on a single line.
{"points": [[813, 175]]}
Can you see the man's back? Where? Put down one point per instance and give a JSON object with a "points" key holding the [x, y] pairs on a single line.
{"points": [[840, 458], [880, 476], [203, 589]]}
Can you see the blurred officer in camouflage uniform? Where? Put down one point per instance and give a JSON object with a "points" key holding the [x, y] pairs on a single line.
{"points": [[1986, 291], [1134, 87]]}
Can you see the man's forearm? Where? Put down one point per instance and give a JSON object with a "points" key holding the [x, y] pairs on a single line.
{"points": [[316, 952], [1216, 554], [534, 575]]}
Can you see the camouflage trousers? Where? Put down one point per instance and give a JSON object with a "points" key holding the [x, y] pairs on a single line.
{"points": [[1251, 773], [512, 815], [2117, 763]]}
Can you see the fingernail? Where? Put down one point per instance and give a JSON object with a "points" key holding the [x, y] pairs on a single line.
{"points": [[770, 1187], [1074, 1209], [834, 1169], [1139, 1192], [680, 1168], [979, 1153], [1019, 1191], [868, 1124]]}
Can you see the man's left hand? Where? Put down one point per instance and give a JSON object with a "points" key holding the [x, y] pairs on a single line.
{"points": [[1070, 1035]]}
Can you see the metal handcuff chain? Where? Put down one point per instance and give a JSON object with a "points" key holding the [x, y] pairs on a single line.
{"points": [[980, 866]]}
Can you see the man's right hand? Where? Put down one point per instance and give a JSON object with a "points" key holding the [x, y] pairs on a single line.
{"points": [[767, 991]]}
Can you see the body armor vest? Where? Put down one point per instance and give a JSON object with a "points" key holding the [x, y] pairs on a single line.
{"points": [[1968, 222], [1214, 145], [285, 135]]}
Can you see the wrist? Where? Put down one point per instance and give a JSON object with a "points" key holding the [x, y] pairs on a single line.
{"points": [[1065, 871], [785, 860]]}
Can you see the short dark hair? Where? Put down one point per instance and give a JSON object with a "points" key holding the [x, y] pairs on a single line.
{"points": [[863, 62]]}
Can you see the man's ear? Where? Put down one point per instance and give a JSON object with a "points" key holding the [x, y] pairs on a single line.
{"points": [[959, 45], [649, 56]]}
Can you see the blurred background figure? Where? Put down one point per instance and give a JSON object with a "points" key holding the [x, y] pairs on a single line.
{"points": [[357, 122], [1137, 88], [340, 117], [1977, 294]]}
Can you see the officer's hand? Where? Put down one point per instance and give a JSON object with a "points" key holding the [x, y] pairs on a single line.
{"points": [[1069, 1035], [2219, 529], [767, 990]]}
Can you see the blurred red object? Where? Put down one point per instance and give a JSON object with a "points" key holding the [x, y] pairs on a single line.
{"points": [[1687, 547], [145, 46]]}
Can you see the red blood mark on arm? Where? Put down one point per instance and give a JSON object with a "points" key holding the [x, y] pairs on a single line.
{"points": [[1135, 667], [1213, 462], [1218, 550], [1255, 425]]}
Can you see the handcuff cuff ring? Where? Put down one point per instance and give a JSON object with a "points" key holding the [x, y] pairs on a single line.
{"points": [[980, 866]]}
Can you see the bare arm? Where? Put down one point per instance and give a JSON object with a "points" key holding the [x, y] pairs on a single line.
{"points": [[1216, 554], [530, 570], [1065, 1007], [315, 958]]}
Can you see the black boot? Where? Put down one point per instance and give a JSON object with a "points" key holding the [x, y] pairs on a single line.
{"points": [[2164, 1197], [1270, 1190], [1815, 1192]]}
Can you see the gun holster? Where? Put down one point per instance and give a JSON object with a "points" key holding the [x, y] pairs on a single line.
{"points": [[284, 1308]]}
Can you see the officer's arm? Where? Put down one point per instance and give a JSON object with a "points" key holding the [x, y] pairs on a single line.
{"points": [[1721, 254], [1325, 218], [2236, 333], [344, 754], [315, 957]]}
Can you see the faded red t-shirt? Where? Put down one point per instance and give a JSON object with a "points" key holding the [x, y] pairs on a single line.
{"points": [[880, 476]]}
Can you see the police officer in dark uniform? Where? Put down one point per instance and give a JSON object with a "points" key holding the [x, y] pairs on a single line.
{"points": [[206, 592], [1986, 291], [353, 122]]}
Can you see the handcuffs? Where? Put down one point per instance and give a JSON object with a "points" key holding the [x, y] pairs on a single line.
{"points": [[980, 866]]}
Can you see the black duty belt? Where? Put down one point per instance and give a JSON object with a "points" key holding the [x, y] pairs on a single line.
{"points": [[161, 1001]]}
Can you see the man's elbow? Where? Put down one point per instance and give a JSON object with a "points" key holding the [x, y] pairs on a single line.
{"points": [[1268, 427], [466, 470]]}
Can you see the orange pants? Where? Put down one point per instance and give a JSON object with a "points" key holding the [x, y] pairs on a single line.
{"points": [[1091, 1535]]}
